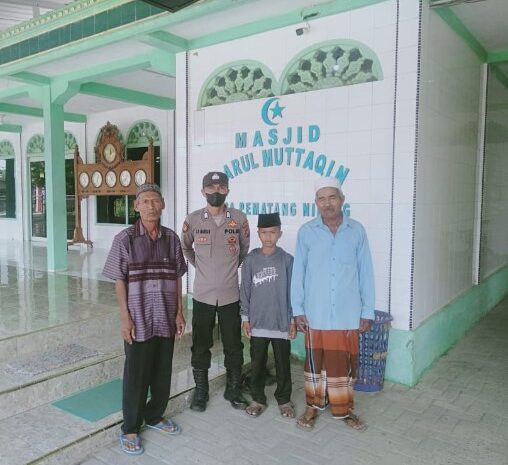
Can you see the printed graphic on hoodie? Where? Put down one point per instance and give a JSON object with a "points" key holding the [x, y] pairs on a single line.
{"points": [[266, 275]]}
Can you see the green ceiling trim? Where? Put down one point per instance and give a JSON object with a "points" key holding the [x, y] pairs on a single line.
{"points": [[127, 95], [37, 112], [155, 23], [236, 82], [74, 11], [35, 145], [165, 41], [31, 78], [276, 22], [498, 56], [163, 63], [70, 142], [15, 128], [105, 70], [6, 149], [333, 63], [458, 26], [141, 132]]}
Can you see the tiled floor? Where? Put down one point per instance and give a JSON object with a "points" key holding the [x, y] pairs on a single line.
{"points": [[457, 414]]}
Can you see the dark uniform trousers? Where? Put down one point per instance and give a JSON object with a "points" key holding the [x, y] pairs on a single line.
{"points": [[148, 364], [203, 322], [259, 355]]}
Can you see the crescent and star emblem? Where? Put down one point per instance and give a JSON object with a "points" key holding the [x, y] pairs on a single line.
{"points": [[271, 110]]}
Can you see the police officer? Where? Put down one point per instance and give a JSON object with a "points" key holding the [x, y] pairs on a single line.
{"points": [[215, 240]]}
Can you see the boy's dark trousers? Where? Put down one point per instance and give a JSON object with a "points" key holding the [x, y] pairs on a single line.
{"points": [[148, 364], [259, 355]]}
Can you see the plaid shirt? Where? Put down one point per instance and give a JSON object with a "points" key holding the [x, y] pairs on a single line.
{"points": [[150, 268]]}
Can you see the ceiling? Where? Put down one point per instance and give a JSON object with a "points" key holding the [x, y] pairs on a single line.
{"points": [[485, 19], [13, 12]]}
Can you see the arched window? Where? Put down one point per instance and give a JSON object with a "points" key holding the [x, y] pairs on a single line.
{"points": [[334, 63], [236, 82], [7, 180], [35, 145]]}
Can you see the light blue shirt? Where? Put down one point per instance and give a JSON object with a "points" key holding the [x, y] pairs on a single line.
{"points": [[333, 280]]}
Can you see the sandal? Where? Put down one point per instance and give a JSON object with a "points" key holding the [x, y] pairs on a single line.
{"points": [[167, 426], [353, 421], [306, 422], [131, 446], [287, 410], [255, 409]]}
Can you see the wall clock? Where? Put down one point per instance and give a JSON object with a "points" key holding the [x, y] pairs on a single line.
{"points": [[110, 178], [97, 178], [84, 180], [109, 153], [139, 177], [125, 178]]}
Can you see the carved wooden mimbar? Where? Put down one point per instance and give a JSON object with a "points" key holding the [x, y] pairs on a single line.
{"points": [[111, 174]]}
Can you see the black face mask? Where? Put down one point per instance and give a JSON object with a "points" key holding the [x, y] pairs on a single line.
{"points": [[216, 199]]}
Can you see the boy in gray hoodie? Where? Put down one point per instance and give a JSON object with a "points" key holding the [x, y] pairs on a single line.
{"points": [[267, 316]]}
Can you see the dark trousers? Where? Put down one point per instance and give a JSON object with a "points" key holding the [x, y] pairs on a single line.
{"points": [[148, 364], [203, 322], [258, 357]]}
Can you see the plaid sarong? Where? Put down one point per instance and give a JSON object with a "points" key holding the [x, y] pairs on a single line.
{"points": [[330, 369]]}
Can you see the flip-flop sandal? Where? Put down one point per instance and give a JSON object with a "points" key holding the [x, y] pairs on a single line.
{"points": [[131, 446], [354, 422], [306, 423], [166, 426], [255, 409], [287, 410]]}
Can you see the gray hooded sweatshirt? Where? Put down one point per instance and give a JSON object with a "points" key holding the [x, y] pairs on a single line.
{"points": [[264, 293]]}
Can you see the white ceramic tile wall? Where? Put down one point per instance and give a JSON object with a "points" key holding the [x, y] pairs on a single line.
{"points": [[447, 147], [356, 124], [494, 233]]}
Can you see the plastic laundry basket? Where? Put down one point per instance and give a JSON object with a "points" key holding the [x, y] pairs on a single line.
{"points": [[372, 354]]}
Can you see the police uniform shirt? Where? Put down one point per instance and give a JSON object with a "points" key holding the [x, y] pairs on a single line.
{"points": [[216, 252]]}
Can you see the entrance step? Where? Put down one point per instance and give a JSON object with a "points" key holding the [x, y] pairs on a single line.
{"points": [[47, 435], [62, 360]]}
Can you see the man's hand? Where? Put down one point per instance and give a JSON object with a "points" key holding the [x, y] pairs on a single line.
{"points": [[301, 323], [365, 325], [292, 331], [246, 329], [180, 324], [128, 330]]}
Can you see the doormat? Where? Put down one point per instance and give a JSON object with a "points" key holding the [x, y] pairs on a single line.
{"points": [[50, 360], [95, 403]]}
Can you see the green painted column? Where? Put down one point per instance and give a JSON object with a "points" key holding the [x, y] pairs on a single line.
{"points": [[56, 209]]}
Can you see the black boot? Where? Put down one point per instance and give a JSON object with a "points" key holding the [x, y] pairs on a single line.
{"points": [[233, 392], [200, 397]]}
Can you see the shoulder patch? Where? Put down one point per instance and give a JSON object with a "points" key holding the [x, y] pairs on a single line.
{"points": [[185, 226]]}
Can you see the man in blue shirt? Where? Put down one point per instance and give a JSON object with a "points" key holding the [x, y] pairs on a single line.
{"points": [[332, 295]]}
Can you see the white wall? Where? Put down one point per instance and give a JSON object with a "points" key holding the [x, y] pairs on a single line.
{"points": [[357, 131], [10, 228], [102, 234], [446, 167], [494, 232]]}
